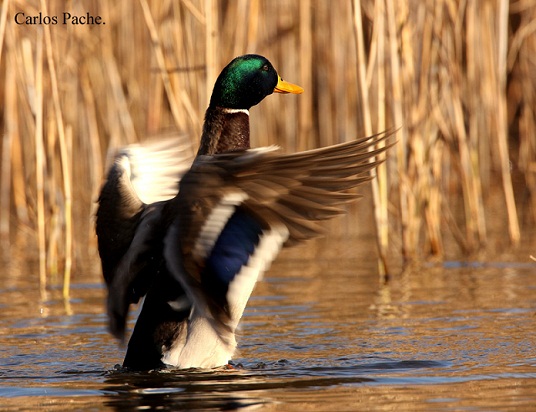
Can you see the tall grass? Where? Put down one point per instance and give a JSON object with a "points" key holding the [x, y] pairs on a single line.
{"points": [[456, 77]]}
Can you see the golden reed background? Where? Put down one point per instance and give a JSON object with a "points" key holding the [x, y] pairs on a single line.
{"points": [[458, 77]]}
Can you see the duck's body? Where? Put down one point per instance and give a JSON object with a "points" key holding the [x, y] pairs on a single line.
{"points": [[198, 255]]}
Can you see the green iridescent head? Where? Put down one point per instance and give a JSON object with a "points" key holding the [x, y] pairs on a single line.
{"points": [[246, 80]]}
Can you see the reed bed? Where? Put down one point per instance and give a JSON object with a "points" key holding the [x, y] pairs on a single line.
{"points": [[457, 78]]}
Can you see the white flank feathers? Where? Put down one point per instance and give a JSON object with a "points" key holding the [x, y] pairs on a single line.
{"points": [[242, 285]]}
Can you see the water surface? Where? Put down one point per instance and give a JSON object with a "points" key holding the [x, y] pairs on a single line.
{"points": [[320, 333]]}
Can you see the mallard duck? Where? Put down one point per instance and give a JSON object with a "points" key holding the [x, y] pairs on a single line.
{"points": [[196, 255]]}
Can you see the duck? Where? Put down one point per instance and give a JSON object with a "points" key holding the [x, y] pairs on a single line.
{"points": [[197, 236]]}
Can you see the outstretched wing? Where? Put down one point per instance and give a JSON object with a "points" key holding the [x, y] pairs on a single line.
{"points": [[236, 210], [129, 222]]}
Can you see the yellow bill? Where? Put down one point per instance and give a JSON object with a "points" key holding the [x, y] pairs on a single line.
{"points": [[286, 87]]}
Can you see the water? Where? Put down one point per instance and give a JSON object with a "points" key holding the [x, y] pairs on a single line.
{"points": [[320, 333]]}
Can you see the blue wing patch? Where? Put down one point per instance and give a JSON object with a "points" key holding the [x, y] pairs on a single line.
{"points": [[236, 243]]}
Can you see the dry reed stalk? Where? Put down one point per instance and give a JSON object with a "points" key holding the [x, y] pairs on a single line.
{"points": [[476, 122], [7, 145], [241, 10], [381, 207], [3, 20], [433, 211], [18, 182], [323, 123], [468, 171], [468, 149], [24, 73], [211, 44], [523, 94], [40, 164], [379, 185], [253, 27], [305, 103], [502, 126], [428, 141], [398, 119], [64, 159], [94, 155]]}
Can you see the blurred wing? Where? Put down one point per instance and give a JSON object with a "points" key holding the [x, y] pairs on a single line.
{"points": [[156, 167], [235, 211], [129, 223]]}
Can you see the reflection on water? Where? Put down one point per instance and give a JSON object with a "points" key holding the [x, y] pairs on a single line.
{"points": [[319, 334]]}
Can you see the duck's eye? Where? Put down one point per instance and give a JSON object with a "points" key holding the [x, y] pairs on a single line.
{"points": [[265, 68]]}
